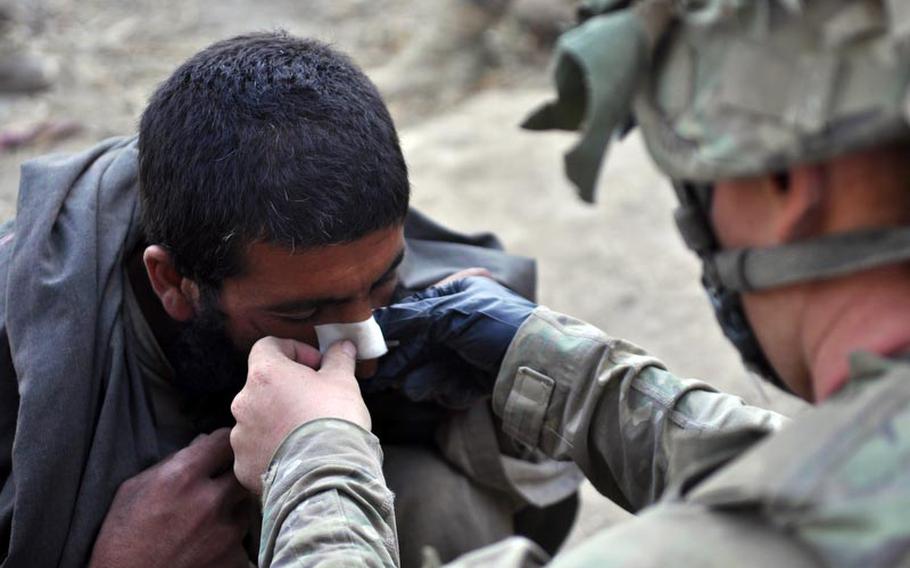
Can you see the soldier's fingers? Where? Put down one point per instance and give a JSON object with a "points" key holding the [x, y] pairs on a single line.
{"points": [[401, 359], [341, 357], [273, 348], [303, 353]]}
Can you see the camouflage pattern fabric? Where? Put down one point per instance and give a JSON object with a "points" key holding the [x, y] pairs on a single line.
{"points": [[717, 90], [325, 499], [641, 435], [727, 485]]}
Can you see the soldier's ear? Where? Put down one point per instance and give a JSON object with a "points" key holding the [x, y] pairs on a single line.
{"points": [[801, 203], [178, 295]]}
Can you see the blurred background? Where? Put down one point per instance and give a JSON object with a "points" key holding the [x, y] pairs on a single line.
{"points": [[459, 75]]}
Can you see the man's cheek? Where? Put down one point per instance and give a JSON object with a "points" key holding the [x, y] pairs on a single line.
{"points": [[246, 338], [382, 296]]}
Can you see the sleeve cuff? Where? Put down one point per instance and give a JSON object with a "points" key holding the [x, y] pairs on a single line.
{"points": [[319, 441], [547, 348]]}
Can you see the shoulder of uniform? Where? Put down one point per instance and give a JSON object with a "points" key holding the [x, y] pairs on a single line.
{"points": [[835, 474]]}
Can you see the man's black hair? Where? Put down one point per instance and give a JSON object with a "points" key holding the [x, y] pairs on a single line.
{"points": [[266, 138]]}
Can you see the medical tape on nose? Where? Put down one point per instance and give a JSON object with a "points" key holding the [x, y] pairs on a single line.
{"points": [[366, 335]]}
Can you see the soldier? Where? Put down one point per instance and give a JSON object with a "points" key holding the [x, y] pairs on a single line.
{"points": [[784, 126]]}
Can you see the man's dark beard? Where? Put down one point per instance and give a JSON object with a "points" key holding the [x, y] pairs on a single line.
{"points": [[206, 363]]}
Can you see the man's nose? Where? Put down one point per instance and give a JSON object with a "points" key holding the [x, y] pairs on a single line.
{"points": [[352, 312]]}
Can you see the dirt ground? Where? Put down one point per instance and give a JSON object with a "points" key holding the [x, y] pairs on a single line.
{"points": [[619, 264]]}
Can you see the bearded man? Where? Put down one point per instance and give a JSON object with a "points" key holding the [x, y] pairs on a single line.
{"points": [[266, 194]]}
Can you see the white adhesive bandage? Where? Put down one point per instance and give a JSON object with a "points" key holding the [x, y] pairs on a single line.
{"points": [[366, 335]]}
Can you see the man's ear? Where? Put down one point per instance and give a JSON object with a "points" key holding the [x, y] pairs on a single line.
{"points": [[178, 295], [801, 203]]}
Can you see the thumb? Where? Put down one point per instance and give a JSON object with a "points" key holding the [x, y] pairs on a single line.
{"points": [[341, 357]]}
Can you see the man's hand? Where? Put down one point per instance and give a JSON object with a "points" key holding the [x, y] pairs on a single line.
{"points": [[283, 390], [186, 511], [460, 329]]}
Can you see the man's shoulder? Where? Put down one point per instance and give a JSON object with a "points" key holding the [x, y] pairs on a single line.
{"points": [[837, 478]]}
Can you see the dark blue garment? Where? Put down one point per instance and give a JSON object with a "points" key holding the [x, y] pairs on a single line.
{"points": [[452, 339]]}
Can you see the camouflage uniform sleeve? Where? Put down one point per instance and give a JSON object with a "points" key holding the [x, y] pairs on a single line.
{"points": [[325, 501], [634, 429]]}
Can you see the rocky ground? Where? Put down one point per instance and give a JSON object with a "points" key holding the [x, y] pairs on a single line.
{"points": [[619, 264]]}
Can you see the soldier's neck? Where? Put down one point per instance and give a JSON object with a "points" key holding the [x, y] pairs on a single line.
{"points": [[864, 312]]}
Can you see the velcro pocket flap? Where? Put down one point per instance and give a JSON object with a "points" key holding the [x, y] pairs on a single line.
{"points": [[526, 406]]}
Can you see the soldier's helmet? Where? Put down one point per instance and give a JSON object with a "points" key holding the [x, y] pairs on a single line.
{"points": [[722, 89], [730, 88]]}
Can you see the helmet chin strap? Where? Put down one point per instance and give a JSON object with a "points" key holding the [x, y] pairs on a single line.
{"points": [[750, 269], [728, 273]]}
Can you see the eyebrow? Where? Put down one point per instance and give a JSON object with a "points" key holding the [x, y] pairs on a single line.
{"points": [[301, 305]]}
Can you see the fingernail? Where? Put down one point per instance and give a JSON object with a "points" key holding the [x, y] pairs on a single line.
{"points": [[349, 348]]}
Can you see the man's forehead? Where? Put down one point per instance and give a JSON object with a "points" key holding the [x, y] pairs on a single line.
{"points": [[274, 272], [371, 243]]}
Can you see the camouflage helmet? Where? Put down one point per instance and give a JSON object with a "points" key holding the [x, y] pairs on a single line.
{"points": [[731, 88]]}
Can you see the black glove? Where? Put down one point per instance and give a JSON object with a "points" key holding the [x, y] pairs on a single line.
{"points": [[452, 339]]}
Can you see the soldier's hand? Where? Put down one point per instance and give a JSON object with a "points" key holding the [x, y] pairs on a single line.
{"points": [[186, 511], [460, 329], [283, 391]]}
